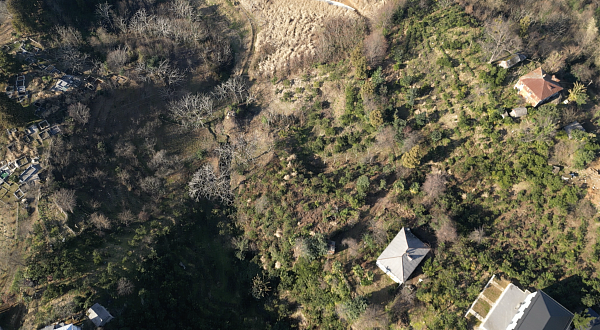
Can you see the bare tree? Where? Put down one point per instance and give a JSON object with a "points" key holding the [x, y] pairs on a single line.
{"points": [[206, 183], [192, 110], [100, 221], [375, 48], [104, 11], [65, 200], [446, 232], [124, 287], [152, 185], [502, 37], [434, 185], [374, 317], [126, 217], [71, 58], [117, 58], [80, 112], [68, 36], [182, 9]]}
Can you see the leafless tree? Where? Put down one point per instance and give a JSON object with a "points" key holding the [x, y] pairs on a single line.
{"points": [[151, 185], [477, 235], [143, 216], [117, 58], [100, 221], [446, 232], [502, 37], [65, 200], [121, 23], [124, 287], [404, 300], [375, 48], [192, 110], [140, 22], [206, 183], [374, 317], [71, 58], [68, 37], [434, 185], [104, 11], [80, 112], [126, 217], [182, 9]]}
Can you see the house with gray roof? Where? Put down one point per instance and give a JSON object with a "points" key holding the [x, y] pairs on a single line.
{"points": [[99, 315], [402, 256], [516, 309]]}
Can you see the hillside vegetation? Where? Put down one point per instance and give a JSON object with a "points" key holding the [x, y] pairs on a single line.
{"points": [[182, 195]]}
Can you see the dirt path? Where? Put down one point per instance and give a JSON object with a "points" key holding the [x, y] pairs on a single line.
{"points": [[252, 41]]}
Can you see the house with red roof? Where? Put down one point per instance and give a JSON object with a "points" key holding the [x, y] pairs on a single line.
{"points": [[537, 87]]}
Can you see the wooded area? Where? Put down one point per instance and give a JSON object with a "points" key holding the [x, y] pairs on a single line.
{"points": [[210, 175]]}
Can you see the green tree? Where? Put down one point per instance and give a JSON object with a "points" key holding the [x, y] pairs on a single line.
{"points": [[578, 94], [359, 61], [362, 185], [376, 118], [582, 320], [412, 158]]}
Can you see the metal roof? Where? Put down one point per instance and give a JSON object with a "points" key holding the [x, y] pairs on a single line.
{"points": [[402, 255], [541, 312]]}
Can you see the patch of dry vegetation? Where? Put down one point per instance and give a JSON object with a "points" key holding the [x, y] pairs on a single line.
{"points": [[288, 32]]}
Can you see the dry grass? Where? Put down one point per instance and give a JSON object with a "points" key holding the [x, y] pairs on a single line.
{"points": [[287, 31], [482, 307], [492, 293]]}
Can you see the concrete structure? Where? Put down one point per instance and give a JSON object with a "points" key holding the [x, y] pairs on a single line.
{"points": [[536, 87], [402, 256], [99, 315]]}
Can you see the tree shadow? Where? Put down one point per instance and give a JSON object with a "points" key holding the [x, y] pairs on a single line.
{"points": [[569, 292]]}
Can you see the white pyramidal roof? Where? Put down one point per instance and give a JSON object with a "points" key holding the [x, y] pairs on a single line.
{"points": [[402, 256]]}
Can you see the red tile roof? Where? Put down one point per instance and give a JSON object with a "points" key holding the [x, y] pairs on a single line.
{"points": [[540, 84]]}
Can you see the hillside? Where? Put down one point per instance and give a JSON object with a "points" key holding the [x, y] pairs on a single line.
{"points": [[228, 165]]}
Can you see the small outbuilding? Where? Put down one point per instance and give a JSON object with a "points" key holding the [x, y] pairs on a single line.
{"points": [[99, 315], [512, 60], [518, 112], [402, 256], [61, 326]]}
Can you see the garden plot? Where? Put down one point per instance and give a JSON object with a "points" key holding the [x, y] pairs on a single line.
{"points": [[287, 30]]}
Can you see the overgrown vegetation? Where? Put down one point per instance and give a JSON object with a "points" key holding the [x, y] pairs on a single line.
{"points": [[209, 205]]}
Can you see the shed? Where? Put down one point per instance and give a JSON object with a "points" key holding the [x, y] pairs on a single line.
{"points": [[99, 315], [573, 126], [518, 112], [402, 256], [511, 61]]}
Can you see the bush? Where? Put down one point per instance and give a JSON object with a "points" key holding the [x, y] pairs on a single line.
{"points": [[362, 185], [355, 307]]}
